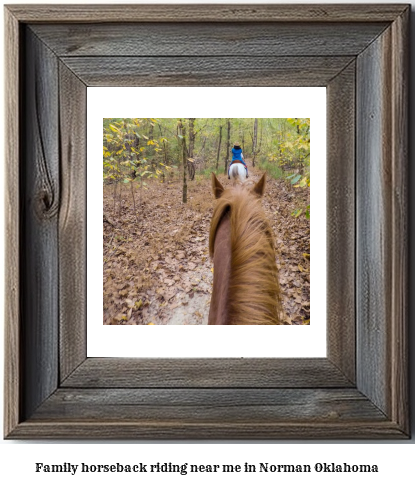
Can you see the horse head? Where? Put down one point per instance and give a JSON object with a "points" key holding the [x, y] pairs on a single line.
{"points": [[257, 190], [241, 243]]}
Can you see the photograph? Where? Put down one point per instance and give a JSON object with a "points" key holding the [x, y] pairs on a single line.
{"points": [[206, 221]]}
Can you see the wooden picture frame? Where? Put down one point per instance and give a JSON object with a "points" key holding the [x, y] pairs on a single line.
{"points": [[360, 53]]}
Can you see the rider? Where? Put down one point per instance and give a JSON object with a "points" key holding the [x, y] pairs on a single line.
{"points": [[238, 157]]}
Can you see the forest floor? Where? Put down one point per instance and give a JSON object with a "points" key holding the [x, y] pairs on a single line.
{"points": [[157, 268]]}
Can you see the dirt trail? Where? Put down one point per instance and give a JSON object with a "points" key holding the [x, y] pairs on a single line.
{"points": [[157, 268]]}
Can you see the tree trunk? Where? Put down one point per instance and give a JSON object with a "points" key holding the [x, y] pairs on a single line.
{"points": [[220, 141], [227, 146], [135, 209], [192, 137], [182, 132], [202, 150], [119, 200], [260, 137], [164, 153], [254, 143]]}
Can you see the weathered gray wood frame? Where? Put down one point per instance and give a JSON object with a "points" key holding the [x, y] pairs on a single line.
{"points": [[359, 52]]}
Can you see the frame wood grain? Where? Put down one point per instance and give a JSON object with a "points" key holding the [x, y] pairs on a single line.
{"points": [[359, 52]]}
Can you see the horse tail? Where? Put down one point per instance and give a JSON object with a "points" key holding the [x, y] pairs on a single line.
{"points": [[235, 174]]}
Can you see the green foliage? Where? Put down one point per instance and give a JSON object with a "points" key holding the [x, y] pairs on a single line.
{"points": [[300, 145], [127, 150], [272, 169], [290, 147], [138, 149]]}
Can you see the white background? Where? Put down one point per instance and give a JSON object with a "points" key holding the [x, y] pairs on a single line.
{"points": [[218, 341], [17, 459]]}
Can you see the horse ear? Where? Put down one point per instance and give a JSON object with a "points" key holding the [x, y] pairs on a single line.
{"points": [[217, 188], [259, 188]]}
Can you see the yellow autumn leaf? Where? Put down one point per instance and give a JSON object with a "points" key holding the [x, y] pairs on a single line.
{"points": [[151, 323]]}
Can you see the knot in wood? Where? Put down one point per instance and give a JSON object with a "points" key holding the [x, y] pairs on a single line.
{"points": [[46, 204]]}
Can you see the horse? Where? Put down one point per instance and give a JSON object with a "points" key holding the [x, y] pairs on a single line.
{"points": [[237, 172], [245, 280]]}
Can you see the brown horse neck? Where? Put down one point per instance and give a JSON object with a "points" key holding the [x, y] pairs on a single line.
{"points": [[218, 313], [245, 282]]}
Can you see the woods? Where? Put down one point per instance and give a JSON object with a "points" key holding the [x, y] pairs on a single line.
{"points": [[158, 205]]}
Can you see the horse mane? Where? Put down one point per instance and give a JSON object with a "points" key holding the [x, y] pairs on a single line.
{"points": [[254, 293]]}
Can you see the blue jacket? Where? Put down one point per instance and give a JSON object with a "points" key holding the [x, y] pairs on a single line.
{"points": [[237, 154]]}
